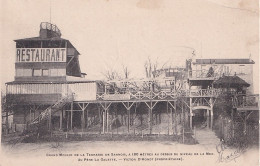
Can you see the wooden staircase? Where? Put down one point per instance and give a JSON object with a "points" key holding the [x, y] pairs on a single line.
{"points": [[52, 109]]}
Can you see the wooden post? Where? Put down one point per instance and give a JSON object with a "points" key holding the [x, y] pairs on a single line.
{"points": [[83, 120], [167, 109], [50, 125], [171, 120], [71, 116], [211, 114], [67, 120], [207, 119], [150, 117], [183, 121], [61, 117], [175, 118], [104, 113], [107, 120], [86, 120], [128, 119], [6, 118], [30, 114], [128, 111], [191, 113]]}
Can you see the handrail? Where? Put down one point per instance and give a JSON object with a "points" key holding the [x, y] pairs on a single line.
{"points": [[139, 95], [51, 27], [47, 111]]}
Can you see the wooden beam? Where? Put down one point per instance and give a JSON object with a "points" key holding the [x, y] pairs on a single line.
{"points": [[70, 61]]}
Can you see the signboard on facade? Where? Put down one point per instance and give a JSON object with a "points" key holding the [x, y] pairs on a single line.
{"points": [[41, 55]]}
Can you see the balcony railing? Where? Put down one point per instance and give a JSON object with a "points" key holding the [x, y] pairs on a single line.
{"points": [[203, 74], [161, 95], [242, 101], [51, 27]]}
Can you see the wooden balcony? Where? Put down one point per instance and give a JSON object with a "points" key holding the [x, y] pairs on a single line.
{"points": [[246, 102], [200, 93], [161, 95], [202, 75]]}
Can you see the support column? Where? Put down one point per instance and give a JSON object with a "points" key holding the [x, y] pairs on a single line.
{"points": [[6, 122], [171, 122], [128, 123], [232, 121], [67, 119], [150, 120], [175, 118], [103, 113], [71, 116], [83, 120], [128, 108], [150, 114], [207, 119], [173, 106], [86, 123], [83, 108], [30, 115], [211, 113], [61, 118], [107, 120], [50, 124], [191, 113]]}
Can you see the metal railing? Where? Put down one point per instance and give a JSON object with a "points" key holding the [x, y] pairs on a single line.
{"points": [[51, 27]]}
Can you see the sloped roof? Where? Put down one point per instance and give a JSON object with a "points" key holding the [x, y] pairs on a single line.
{"points": [[46, 39], [224, 61], [231, 81], [39, 39]]}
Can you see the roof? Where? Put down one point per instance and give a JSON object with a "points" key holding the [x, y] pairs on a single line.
{"points": [[52, 82], [46, 39], [39, 39], [231, 81], [224, 61]]}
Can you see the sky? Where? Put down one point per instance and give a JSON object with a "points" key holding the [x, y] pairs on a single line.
{"points": [[110, 34]]}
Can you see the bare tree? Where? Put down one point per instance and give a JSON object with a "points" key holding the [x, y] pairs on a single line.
{"points": [[152, 68], [126, 72], [111, 74]]}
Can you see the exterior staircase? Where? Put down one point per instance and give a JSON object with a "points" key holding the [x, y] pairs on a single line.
{"points": [[52, 109], [206, 137]]}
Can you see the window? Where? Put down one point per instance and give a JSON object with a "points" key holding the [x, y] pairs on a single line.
{"points": [[27, 72], [45, 72], [37, 72], [23, 72], [19, 72], [57, 72], [53, 72], [241, 69], [61, 72], [226, 70]]}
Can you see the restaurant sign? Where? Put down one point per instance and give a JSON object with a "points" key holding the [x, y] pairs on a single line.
{"points": [[41, 55]]}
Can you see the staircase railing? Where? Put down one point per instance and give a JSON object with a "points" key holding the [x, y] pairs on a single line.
{"points": [[52, 109]]}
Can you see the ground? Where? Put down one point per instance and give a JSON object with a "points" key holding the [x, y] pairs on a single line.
{"points": [[125, 153]]}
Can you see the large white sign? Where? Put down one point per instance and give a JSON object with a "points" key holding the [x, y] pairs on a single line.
{"points": [[41, 55]]}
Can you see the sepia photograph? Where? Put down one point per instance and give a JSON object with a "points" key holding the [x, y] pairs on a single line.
{"points": [[136, 82]]}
